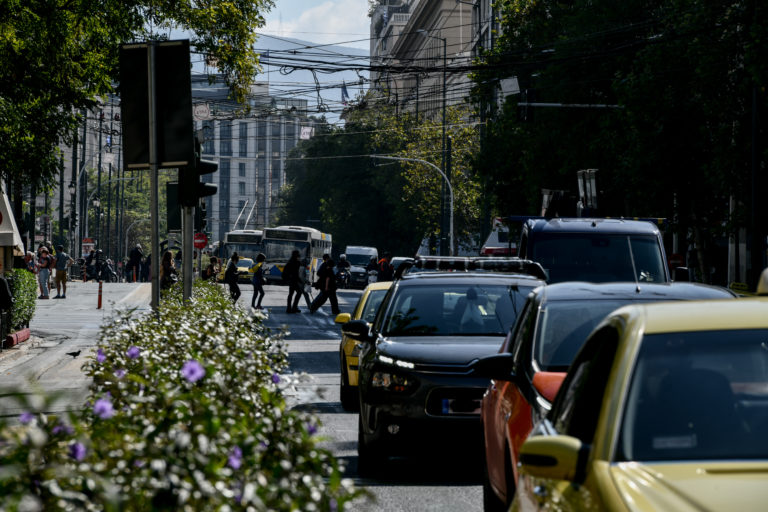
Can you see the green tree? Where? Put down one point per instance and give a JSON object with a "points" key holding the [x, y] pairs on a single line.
{"points": [[59, 57]]}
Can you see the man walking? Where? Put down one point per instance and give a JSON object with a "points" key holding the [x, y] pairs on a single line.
{"points": [[134, 262], [62, 263], [291, 276], [326, 281]]}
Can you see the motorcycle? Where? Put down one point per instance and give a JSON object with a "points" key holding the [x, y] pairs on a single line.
{"points": [[101, 271], [342, 278]]}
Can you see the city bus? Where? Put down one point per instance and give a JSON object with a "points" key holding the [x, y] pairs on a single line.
{"points": [[281, 241], [247, 243]]}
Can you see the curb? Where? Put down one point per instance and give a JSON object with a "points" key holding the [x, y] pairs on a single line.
{"points": [[18, 350]]}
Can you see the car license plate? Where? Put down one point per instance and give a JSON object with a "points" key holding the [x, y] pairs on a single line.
{"points": [[461, 406]]}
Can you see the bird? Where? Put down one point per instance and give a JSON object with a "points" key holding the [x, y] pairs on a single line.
{"points": [[74, 354]]}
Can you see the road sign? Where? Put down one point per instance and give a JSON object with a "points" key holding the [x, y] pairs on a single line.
{"points": [[200, 240]]}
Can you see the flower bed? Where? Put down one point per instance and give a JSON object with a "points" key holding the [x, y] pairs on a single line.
{"points": [[185, 413]]}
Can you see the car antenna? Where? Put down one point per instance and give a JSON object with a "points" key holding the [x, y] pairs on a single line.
{"points": [[634, 268]]}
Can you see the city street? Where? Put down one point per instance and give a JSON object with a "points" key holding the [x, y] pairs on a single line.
{"points": [[71, 325]]}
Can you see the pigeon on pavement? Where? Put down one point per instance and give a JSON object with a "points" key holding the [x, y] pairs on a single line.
{"points": [[74, 354]]}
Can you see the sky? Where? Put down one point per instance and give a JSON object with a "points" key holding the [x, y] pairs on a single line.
{"points": [[343, 22]]}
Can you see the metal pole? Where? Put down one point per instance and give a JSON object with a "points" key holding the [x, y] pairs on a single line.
{"points": [[187, 227], [442, 219], [154, 171], [97, 242]]}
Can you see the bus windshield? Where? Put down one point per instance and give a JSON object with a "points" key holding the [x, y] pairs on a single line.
{"points": [[280, 250]]}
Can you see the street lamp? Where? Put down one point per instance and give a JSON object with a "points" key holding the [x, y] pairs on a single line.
{"points": [[97, 205], [72, 215], [443, 156]]}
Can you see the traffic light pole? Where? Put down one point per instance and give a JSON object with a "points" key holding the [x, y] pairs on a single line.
{"points": [[154, 166], [187, 233]]}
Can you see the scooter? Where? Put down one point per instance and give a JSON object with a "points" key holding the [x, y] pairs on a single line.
{"points": [[101, 271]]}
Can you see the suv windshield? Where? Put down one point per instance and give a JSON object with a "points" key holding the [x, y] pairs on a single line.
{"points": [[359, 260], [599, 259], [457, 309]]}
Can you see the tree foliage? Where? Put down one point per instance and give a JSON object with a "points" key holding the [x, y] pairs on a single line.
{"points": [[59, 57], [389, 204], [672, 137]]}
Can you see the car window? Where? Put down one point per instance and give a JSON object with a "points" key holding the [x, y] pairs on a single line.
{"points": [[577, 405], [603, 258], [698, 396], [372, 305], [454, 309], [563, 328], [523, 331]]}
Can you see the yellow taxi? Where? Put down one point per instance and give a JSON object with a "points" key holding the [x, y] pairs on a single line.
{"points": [[244, 270], [349, 350], [664, 408]]}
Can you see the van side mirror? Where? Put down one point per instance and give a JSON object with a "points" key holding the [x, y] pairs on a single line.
{"points": [[681, 274]]}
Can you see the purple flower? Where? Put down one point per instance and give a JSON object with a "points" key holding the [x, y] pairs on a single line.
{"points": [[311, 428], [235, 459], [275, 378], [192, 371], [77, 451], [119, 373], [101, 356], [62, 427], [134, 352], [26, 417], [103, 408]]}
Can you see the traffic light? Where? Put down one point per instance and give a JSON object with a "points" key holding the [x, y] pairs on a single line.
{"points": [[191, 189]]}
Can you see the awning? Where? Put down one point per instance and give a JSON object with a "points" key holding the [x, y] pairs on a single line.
{"points": [[9, 233]]}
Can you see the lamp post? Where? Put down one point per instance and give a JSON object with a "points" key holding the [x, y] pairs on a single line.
{"points": [[443, 156], [73, 216]]}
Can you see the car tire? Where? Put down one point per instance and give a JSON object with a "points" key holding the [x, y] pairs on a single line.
{"points": [[370, 456], [347, 393], [113, 278]]}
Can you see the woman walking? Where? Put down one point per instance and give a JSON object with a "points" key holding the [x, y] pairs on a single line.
{"points": [[230, 277], [258, 281]]}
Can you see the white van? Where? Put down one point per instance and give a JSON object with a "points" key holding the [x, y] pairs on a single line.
{"points": [[358, 257]]}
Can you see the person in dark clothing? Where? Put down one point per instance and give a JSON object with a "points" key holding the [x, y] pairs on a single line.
{"points": [[134, 262], [230, 277], [212, 270], [258, 281], [327, 281], [291, 276], [386, 270]]}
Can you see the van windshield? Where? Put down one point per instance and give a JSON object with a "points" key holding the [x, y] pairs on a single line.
{"points": [[359, 260], [599, 259]]}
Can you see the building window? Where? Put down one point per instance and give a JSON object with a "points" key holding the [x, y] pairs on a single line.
{"points": [[241, 188], [209, 147], [225, 138], [241, 169], [243, 140]]}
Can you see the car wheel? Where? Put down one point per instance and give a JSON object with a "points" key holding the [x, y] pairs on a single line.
{"points": [[113, 278], [370, 456], [348, 394]]}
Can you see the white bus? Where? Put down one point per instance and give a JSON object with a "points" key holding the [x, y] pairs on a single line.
{"points": [[247, 243], [281, 241]]}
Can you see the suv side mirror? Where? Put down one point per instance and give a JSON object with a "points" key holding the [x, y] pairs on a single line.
{"points": [[358, 330], [496, 367], [681, 274]]}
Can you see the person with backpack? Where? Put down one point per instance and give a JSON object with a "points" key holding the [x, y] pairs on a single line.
{"points": [[326, 279], [258, 281], [230, 277], [291, 276]]}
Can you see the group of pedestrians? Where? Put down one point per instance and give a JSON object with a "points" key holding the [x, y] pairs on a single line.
{"points": [[46, 265]]}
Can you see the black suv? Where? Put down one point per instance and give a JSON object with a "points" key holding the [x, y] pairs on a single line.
{"points": [[414, 379], [596, 250]]}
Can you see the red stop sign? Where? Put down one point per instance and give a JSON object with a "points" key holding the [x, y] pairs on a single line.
{"points": [[200, 240]]}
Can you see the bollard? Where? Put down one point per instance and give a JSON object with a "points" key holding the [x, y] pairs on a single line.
{"points": [[134, 274], [99, 306]]}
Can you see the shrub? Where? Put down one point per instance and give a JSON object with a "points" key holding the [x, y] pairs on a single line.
{"points": [[23, 284], [185, 412]]}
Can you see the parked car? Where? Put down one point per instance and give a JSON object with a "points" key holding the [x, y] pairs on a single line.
{"points": [[349, 350], [532, 361], [413, 375], [596, 250], [359, 257], [664, 408]]}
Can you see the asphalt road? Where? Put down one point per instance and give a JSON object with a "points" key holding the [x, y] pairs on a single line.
{"points": [[419, 483]]}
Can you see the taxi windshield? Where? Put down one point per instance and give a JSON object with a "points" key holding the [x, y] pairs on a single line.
{"points": [[698, 396], [460, 309]]}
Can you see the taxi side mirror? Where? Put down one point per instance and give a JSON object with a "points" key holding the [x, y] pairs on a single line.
{"points": [[343, 318], [496, 367], [554, 457], [681, 275]]}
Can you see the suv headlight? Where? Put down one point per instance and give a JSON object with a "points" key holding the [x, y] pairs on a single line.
{"points": [[392, 382]]}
